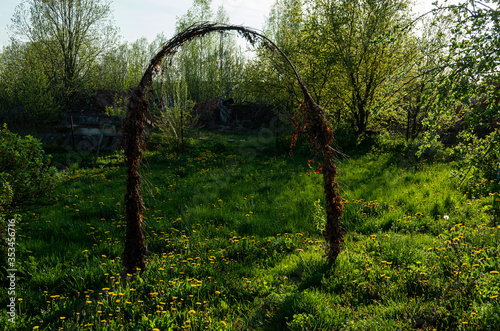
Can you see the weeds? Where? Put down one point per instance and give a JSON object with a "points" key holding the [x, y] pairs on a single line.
{"points": [[244, 253]]}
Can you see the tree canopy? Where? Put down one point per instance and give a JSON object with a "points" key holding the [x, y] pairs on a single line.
{"points": [[70, 35]]}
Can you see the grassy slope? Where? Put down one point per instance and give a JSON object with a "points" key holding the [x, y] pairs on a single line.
{"points": [[234, 246]]}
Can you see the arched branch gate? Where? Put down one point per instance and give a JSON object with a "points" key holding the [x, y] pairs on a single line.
{"points": [[310, 120]]}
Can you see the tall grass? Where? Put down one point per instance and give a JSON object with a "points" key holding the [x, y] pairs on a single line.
{"points": [[233, 245]]}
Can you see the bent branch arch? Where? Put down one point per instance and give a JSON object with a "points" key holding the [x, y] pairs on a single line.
{"points": [[312, 122]]}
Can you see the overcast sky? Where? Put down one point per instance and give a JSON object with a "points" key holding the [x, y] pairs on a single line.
{"points": [[147, 18]]}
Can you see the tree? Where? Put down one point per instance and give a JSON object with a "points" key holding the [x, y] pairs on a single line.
{"points": [[404, 105], [24, 87], [68, 36], [211, 65], [471, 86], [267, 77], [426, 69], [365, 43], [122, 66]]}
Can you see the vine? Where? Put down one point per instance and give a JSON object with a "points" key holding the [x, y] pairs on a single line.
{"points": [[311, 120]]}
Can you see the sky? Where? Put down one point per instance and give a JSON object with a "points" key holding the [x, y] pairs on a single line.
{"points": [[147, 18]]}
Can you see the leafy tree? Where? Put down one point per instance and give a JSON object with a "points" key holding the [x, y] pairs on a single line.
{"points": [[209, 65], [471, 85], [355, 56], [405, 107], [267, 77], [122, 67], [365, 44], [68, 36], [24, 84]]}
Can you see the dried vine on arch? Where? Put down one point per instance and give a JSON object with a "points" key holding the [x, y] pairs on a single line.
{"points": [[313, 121]]}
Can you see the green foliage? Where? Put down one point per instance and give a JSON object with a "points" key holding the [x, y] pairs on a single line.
{"points": [[480, 156], [24, 169], [175, 120], [175, 128], [6, 193], [469, 89], [319, 216], [418, 254], [119, 107], [302, 322], [267, 77], [122, 66], [66, 38], [209, 66], [24, 85], [410, 150]]}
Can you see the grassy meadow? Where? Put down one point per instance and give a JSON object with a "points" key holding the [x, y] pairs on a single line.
{"points": [[233, 240]]}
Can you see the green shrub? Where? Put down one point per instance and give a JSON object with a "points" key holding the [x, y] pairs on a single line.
{"points": [[25, 174], [6, 193], [174, 127], [410, 150]]}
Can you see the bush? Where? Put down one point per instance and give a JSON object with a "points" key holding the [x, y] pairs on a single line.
{"points": [[25, 174], [6, 193], [412, 149], [174, 128], [349, 141]]}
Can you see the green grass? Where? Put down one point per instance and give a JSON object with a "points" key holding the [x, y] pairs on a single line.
{"points": [[234, 246]]}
